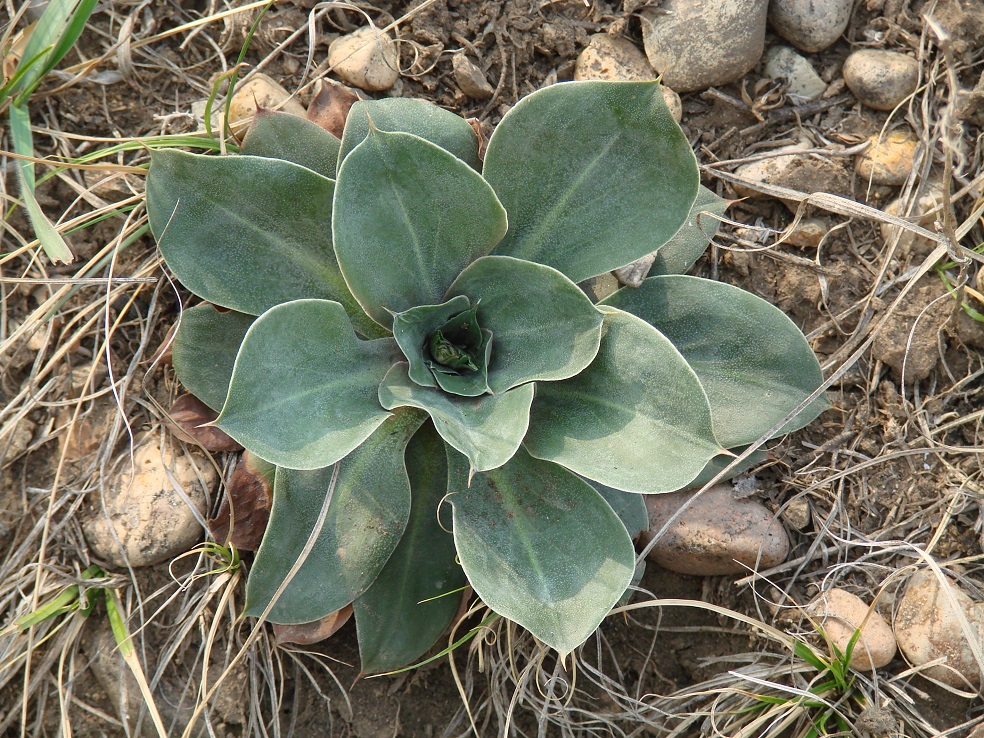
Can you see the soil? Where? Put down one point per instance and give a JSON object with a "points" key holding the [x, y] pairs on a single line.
{"points": [[864, 475]]}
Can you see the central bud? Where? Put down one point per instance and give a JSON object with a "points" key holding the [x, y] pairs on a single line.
{"points": [[445, 346], [454, 345]]}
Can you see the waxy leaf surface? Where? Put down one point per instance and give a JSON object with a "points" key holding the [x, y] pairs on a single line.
{"points": [[543, 326], [541, 547], [594, 175], [416, 594], [367, 515], [304, 389], [277, 135], [629, 506], [204, 351], [409, 217], [246, 232], [486, 429], [682, 251], [752, 360], [637, 419], [406, 115]]}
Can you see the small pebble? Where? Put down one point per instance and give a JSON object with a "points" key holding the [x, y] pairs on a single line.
{"points": [[926, 210], [699, 45], [881, 79], [612, 58], [471, 80], [260, 91], [717, 534], [927, 627], [889, 160], [802, 81], [807, 234], [366, 58], [840, 613], [810, 25], [16, 441], [148, 506], [767, 171]]}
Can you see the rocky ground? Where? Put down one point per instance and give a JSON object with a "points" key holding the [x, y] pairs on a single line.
{"points": [[847, 140]]}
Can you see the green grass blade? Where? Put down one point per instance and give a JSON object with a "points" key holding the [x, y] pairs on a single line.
{"points": [[57, 30], [51, 241]]}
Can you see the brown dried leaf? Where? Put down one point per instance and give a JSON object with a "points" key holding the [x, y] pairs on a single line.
{"points": [[482, 133], [304, 634], [242, 517], [330, 106], [189, 416]]}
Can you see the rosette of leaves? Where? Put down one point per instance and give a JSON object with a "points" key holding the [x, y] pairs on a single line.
{"points": [[405, 317]]}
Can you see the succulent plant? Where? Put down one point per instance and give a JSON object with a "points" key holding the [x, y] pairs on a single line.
{"points": [[401, 324]]}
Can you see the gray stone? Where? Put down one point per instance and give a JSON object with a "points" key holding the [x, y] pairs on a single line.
{"points": [[696, 44], [810, 25], [881, 79], [471, 80], [929, 625], [716, 534], [802, 81]]}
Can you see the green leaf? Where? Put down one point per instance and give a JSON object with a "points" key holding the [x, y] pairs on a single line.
{"points": [[544, 327], [56, 32], [277, 135], [594, 175], [721, 461], [629, 506], [246, 232], [304, 389], [204, 351], [366, 517], [409, 217], [682, 251], [48, 236], [486, 429], [637, 419], [752, 360], [405, 115], [416, 595], [541, 547]]}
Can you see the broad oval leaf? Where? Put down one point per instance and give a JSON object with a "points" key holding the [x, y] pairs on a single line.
{"points": [[204, 351], [409, 217], [486, 429], [277, 135], [304, 388], [752, 360], [637, 419], [406, 115], [544, 327], [541, 547], [682, 251], [594, 175], [366, 517], [416, 595], [246, 232]]}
